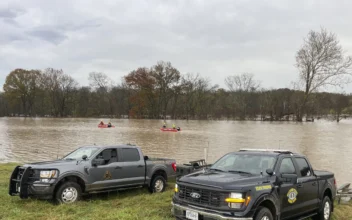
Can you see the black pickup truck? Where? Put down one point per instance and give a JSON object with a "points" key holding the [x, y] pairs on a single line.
{"points": [[256, 185], [91, 169]]}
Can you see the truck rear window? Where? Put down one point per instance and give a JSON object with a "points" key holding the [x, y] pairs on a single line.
{"points": [[130, 154], [303, 166]]}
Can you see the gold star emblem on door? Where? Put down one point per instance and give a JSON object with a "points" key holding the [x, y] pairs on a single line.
{"points": [[107, 175]]}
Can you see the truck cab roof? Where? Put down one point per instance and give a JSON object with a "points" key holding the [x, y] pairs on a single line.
{"points": [[273, 152], [111, 146]]}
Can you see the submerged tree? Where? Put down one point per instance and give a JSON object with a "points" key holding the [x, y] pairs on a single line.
{"points": [[103, 86], [242, 88], [167, 79], [142, 84], [59, 87], [340, 102], [321, 62], [22, 85]]}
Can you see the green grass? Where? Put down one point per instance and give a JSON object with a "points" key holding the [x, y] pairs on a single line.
{"points": [[130, 204]]}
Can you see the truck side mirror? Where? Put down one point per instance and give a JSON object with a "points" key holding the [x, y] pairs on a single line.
{"points": [[84, 157], [146, 158], [98, 162], [270, 172], [289, 178]]}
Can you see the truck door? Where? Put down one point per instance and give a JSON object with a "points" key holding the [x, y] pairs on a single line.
{"points": [[133, 167], [107, 175], [308, 185], [289, 194]]}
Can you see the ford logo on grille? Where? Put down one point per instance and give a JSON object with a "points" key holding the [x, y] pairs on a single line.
{"points": [[195, 195]]}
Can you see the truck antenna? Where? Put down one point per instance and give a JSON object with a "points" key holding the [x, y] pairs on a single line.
{"points": [[57, 150]]}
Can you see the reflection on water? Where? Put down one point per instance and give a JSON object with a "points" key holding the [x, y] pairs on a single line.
{"points": [[327, 144]]}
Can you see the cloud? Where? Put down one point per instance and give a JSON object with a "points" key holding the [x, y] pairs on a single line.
{"points": [[51, 36], [9, 15], [10, 12], [215, 38]]}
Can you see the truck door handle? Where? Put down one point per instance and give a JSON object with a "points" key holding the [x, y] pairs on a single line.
{"points": [[118, 167], [314, 183], [299, 185], [140, 166]]}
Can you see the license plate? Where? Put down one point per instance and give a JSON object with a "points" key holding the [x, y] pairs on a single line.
{"points": [[191, 215]]}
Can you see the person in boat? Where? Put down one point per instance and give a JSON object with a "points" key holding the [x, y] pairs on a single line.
{"points": [[178, 128], [173, 126], [109, 124], [101, 123], [164, 125]]}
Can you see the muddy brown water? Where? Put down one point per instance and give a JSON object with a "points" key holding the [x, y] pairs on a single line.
{"points": [[327, 144]]}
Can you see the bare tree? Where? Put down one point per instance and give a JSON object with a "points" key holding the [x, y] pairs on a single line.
{"points": [[203, 91], [99, 80], [242, 88], [167, 79], [103, 85], [340, 103], [321, 62], [188, 90], [60, 88], [244, 82]]}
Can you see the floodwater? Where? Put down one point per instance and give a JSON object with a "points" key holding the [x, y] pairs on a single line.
{"points": [[327, 144]]}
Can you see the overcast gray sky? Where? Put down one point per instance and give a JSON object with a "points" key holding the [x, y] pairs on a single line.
{"points": [[215, 38]]}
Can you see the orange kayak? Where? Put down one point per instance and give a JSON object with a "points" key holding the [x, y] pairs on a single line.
{"points": [[169, 129], [105, 126]]}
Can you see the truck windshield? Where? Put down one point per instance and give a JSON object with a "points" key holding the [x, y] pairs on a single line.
{"points": [[244, 163], [77, 154]]}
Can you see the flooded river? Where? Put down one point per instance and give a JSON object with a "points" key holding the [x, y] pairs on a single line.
{"points": [[327, 144]]}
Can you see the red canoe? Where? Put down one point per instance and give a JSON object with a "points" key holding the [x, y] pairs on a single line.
{"points": [[105, 126], [169, 129]]}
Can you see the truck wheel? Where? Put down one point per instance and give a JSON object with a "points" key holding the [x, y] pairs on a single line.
{"points": [[68, 192], [263, 214], [158, 185], [325, 210]]}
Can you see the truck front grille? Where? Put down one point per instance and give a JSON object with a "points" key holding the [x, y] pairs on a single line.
{"points": [[33, 176], [20, 173], [206, 197]]}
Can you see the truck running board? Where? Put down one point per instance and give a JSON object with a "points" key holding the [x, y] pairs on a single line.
{"points": [[308, 216]]}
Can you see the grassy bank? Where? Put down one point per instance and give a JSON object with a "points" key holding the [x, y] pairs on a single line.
{"points": [[131, 204]]}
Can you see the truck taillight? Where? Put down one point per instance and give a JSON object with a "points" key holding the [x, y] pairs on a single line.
{"points": [[174, 166], [335, 182]]}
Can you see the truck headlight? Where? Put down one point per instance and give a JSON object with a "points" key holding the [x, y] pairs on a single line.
{"points": [[48, 174], [236, 200], [176, 188]]}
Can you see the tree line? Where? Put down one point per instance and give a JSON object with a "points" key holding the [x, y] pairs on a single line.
{"points": [[161, 91]]}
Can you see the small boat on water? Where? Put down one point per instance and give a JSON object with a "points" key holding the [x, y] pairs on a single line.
{"points": [[105, 126], [171, 129]]}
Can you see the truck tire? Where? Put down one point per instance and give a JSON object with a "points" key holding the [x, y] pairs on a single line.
{"points": [[325, 210], [68, 192], [157, 185], [263, 214]]}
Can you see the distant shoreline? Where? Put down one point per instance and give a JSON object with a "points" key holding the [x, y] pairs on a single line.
{"points": [[315, 118]]}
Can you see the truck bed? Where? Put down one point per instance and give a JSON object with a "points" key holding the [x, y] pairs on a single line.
{"points": [[160, 160], [323, 174], [191, 167]]}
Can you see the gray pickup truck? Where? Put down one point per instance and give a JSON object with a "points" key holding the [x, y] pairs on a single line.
{"points": [[91, 169]]}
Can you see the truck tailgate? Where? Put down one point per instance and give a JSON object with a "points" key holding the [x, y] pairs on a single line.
{"points": [[168, 165]]}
